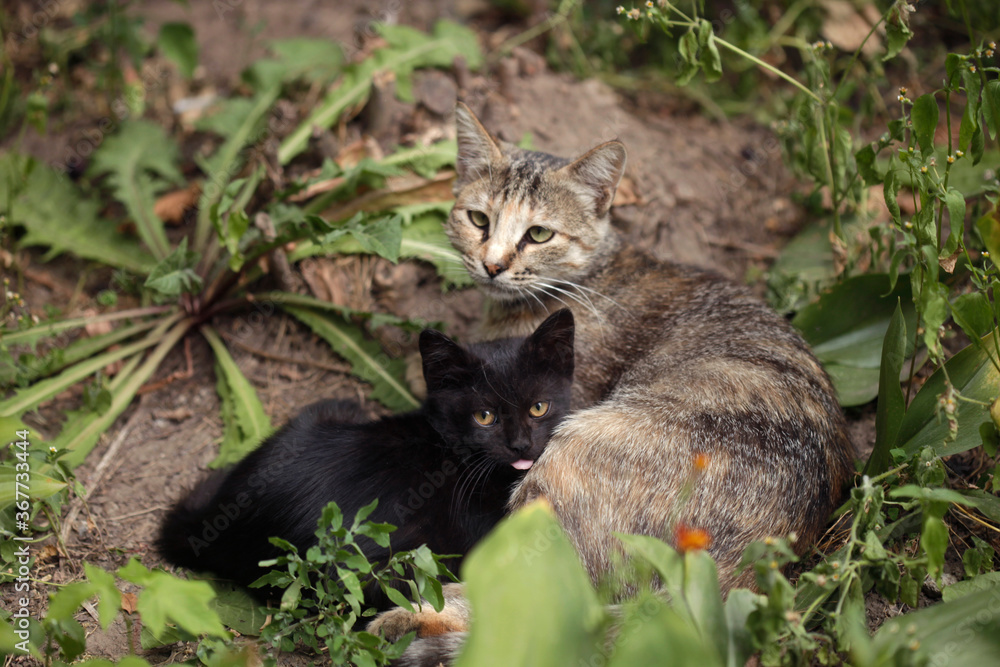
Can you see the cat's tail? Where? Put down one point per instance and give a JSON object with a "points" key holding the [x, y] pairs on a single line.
{"points": [[187, 533]]}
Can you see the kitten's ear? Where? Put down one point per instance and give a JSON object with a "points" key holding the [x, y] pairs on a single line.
{"points": [[598, 173], [445, 362], [552, 342], [477, 149]]}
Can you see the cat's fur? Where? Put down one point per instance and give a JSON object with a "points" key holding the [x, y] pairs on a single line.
{"points": [[440, 477], [672, 362]]}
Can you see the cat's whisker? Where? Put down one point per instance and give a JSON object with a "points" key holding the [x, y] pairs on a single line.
{"points": [[588, 289], [549, 294], [586, 305]]}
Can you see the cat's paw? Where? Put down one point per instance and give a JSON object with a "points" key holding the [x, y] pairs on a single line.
{"points": [[395, 623]]}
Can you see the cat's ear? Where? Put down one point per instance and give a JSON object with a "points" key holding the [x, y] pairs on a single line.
{"points": [[552, 343], [445, 362], [597, 174], [477, 149]]}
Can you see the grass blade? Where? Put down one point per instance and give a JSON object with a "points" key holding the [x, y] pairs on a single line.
{"points": [[28, 336], [82, 441], [368, 362], [247, 415], [891, 403], [29, 398]]}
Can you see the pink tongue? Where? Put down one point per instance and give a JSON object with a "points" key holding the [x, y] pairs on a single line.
{"points": [[523, 464]]}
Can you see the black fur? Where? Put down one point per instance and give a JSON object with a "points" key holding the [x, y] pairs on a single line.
{"points": [[440, 477]]}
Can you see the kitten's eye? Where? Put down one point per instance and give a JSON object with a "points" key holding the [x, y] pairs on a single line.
{"points": [[479, 219], [540, 234], [539, 409], [484, 417]]}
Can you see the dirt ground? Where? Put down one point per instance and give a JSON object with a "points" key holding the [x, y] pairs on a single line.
{"points": [[706, 193]]}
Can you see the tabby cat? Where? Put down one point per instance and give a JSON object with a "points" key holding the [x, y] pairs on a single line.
{"points": [[675, 365], [442, 474]]}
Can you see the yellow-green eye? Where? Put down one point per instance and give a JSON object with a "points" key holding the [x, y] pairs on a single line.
{"points": [[540, 234], [539, 409], [484, 417], [479, 219]]}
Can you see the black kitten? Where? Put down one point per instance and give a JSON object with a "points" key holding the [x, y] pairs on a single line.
{"points": [[442, 473]]}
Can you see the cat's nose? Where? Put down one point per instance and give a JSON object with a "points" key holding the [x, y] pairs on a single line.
{"points": [[494, 270]]}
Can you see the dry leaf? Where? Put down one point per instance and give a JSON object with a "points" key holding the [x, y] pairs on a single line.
{"points": [[176, 415], [129, 603], [948, 263], [353, 153], [48, 552], [95, 328], [847, 28], [171, 206]]}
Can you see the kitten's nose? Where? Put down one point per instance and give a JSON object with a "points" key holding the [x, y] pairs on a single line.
{"points": [[494, 270]]}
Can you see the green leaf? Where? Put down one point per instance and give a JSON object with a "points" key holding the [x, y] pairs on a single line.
{"points": [[955, 202], [368, 362], [973, 313], [891, 403], [177, 43], [653, 631], [704, 601], [989, 581], [890, 189], [67, 601], [711, 63], [954, 633], [39, 486], [166, 598], [247, 414], [846, 328], [381, 237], [924, 116], [227, 162], [991, 107], [865, 159], [985, 502], [49, 207], [140, 161], [974, 376], [237, 609], [175, 275], [529, 557], [897, 34], [988, 227], [407, 49], [318, 61], [110, 598]]}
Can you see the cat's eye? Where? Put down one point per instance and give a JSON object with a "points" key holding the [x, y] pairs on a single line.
{"points": [[484, 417], [540, 234], [539, 409], [479, 219]]}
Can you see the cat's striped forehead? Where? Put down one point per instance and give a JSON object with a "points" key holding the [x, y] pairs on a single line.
{"points": [[521, 175]]}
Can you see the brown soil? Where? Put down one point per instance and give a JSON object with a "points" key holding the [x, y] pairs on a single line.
{"points": [[707, 193]]}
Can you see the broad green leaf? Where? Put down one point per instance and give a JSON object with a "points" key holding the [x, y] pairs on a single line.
{"points": [[140, 160], [865, 159], [924, 116], [248, 413], [109, 597], [317, 61], [711, 63], [368, 362], [529, 557], [166, 598], [934, 542], [808, 261], [739, 605], [175, 274], [985, 502], [890, 189], [54, 215], [891, 403], [897, 34], [381, 237], [972, 374], [656, 634], [407, 50], [955, 633], [177, 43], [955, 202], [988, 227], [989, 581], [423, 239], [991, 107], [704, 601], [846, 328], [974, 314], [39, 486], [237, 609]]}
